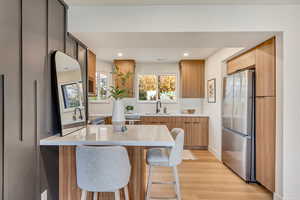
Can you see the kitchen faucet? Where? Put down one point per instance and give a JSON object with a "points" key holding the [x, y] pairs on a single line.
{"points": [[75, 114], [158, 109]]}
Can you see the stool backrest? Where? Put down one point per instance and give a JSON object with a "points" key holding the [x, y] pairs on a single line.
{"points": [[176, 152], [102, 169]]}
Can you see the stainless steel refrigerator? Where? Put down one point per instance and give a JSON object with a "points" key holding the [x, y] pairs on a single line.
{"points": [[238, 121]]}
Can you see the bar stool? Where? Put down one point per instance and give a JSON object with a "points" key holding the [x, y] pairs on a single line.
{"points": [[166, 158], [102, 169]]}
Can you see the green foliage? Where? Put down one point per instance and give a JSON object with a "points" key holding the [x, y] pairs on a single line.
{"points": [[116, 92], [129, 108]]}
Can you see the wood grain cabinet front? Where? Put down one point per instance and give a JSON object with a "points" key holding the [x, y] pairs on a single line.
{"points": [[266, 69], [263, 59], [246, 60], [91, 73], [125, 66], [192, 78], [266, 141], [195, 128]]}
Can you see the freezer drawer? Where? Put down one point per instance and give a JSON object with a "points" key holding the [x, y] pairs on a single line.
{"points": [[236, 153]]}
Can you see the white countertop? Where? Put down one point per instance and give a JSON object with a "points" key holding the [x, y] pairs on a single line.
{"points": [[141, 135], [152, 115]]}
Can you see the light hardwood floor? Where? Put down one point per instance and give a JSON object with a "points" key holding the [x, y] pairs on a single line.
{"points": [[207, 179]]}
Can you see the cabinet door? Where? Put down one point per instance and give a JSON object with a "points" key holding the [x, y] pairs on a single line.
{"points": [[243, 61], [34, 83], [192, 78], [265, 141], [196, 131], [266, 69], [82, 59], [10, 67], [56, 26], [71, 47], [126, 66], [91, 73]]}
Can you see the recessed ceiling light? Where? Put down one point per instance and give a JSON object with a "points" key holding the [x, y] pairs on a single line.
{"points": [[120, 54], [186, 54]]}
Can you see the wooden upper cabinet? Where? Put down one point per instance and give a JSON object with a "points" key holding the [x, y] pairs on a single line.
{"points": [[263, 59], [92, 73], [125, 66], [246, 60], [192, 78], [266, 69], [266, 141]]}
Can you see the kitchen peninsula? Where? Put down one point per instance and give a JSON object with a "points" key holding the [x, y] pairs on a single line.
{"points": [[136, 139], [196, 125]]}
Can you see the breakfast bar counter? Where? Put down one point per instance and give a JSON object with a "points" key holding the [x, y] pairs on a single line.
{"points": [[136, 139]]}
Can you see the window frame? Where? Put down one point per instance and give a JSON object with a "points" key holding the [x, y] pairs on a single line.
{"points": [[102, 101], [157, 77], [62, 104]]}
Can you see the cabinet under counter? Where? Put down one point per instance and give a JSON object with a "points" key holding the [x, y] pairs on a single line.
{"points": [[195, 128], [136, 140]]}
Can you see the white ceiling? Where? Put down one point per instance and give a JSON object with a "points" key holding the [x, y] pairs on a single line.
{"points": [[166, 47], [176, 2]]}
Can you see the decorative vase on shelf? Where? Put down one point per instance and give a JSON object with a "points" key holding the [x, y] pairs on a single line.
{"points": [[118, 115]]}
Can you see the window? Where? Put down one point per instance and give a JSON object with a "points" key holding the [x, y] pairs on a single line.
{"points": [[157, 87], [101, 87], [72, 95]]}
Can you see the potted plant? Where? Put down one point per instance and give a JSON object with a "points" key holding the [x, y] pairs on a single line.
{"points": [[118, 113], [129, 109]]}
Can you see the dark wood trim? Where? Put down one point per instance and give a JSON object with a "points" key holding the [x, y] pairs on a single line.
{"points": [[196, 148], [87, 86], [66, 24], [76, 40]]}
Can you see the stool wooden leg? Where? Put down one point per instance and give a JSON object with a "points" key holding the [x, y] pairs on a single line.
{"points": [[126, 192], [149, 185], [83, 194], [117, 195], [95, 196], [177, 185]]}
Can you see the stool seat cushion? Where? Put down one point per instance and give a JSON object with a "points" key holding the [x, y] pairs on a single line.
{"points": [[158, 157]]}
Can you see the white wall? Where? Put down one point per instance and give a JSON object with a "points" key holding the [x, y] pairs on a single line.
{"points": [[222, 18], [214, 70], [147, 68]]}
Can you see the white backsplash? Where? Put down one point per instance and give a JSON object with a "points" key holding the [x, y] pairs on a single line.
{"points": [[106, 108]]}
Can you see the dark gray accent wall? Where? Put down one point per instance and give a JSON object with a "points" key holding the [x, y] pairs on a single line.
{"points": [[30, 31]]}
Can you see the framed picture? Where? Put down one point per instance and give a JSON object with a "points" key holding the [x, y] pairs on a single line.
{"points": [[211, 90]]}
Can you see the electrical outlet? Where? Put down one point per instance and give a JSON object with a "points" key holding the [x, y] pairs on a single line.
{"points": [[44, 195]]}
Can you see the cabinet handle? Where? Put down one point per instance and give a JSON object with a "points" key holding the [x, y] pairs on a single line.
{"points": [[2, 100], [37, 138]]}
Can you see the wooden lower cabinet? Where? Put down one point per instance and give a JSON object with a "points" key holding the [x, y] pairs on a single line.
{"points": [[265, 141], [195, 128]]}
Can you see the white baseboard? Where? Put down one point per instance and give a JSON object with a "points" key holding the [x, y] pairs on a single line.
{"points": [[291, 197], [213, 151], [277, 197]]}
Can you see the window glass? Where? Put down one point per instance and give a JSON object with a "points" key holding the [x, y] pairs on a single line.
{"points": [[101, 87], [147, 87], [167, 87], [157, 87], [71, 95]]}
